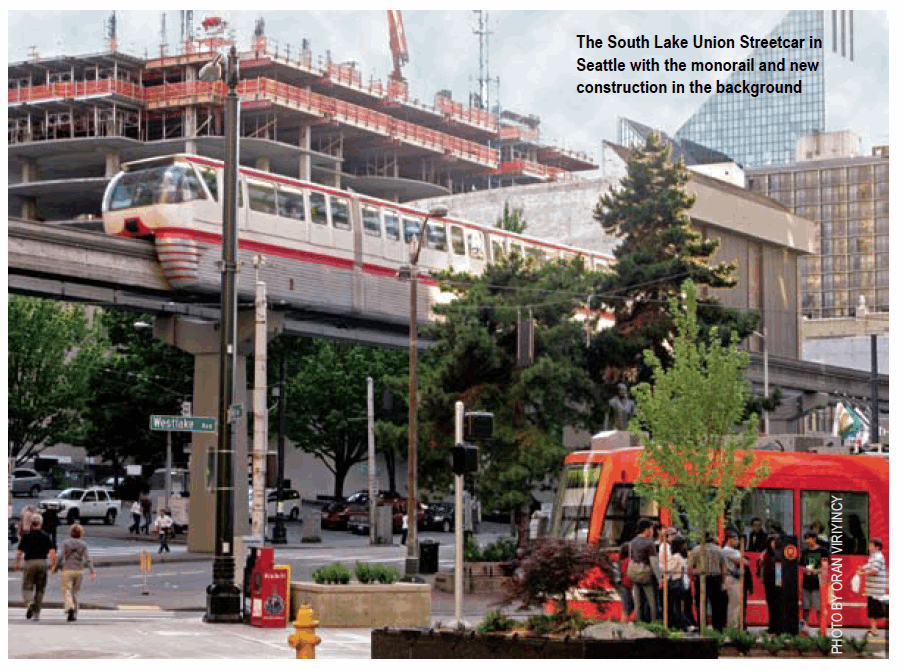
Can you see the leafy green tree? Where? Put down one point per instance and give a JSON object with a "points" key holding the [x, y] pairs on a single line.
{"points": [[326, 399], [693, 454], [512, 219], [474, 360], [659, 249], [139, 376], [52, 348]]}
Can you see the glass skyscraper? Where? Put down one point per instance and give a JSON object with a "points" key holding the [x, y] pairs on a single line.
{"points": [[760, 131]]}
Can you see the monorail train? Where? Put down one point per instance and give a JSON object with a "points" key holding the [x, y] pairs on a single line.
{"points": [[325, 248]]}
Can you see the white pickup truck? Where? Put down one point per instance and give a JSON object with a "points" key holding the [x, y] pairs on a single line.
{"points": [[79, 505]]}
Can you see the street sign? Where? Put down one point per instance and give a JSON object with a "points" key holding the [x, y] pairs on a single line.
{"points": [[177, 423], [186, 408], [235, 412]]}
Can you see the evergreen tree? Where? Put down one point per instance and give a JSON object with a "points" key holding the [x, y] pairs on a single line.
{"points": [[475, 360], [659, 249], [512, 219]]}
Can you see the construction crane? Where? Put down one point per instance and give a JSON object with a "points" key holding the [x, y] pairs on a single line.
{"points": [[397, 43]]}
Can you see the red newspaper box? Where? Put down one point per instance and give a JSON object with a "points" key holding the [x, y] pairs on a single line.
{"points": [[269, 592]]}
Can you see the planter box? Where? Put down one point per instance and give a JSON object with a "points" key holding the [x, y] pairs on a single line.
{"points": [[398, 643], [472, 583], [359, 605]]}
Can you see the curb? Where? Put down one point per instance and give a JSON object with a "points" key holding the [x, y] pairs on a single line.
{"points": [[158, 559]]}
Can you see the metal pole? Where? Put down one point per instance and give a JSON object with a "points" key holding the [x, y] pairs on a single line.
{"points": [[258, 457], [279, 528], [371, 462], [168, 478], [459, 526], [874, 389], [224, 603], [766, 376], [411, 559]]}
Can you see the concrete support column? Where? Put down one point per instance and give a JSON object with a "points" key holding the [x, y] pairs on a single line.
{"points": [[29, 174], [262, 163], [189, 116], [202, 340], [304, 161], [112, 163]]}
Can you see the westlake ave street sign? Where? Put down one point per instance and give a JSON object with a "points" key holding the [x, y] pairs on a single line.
{"points": [[178, 423]]}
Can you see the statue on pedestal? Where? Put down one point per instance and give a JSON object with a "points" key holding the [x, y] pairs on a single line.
{"points": [[621, 409]]}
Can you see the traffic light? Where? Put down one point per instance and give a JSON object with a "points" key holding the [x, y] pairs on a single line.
{"points": [[478, 425], [464, 459]]}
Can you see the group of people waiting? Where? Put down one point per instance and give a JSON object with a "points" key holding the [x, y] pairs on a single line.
{"points": [[659, 554]]}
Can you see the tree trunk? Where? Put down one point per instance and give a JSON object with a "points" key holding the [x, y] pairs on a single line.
{"points": [[522, 520], [341, 471]]}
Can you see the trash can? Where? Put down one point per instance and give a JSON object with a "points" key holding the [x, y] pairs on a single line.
{"points": [[429, 559]]}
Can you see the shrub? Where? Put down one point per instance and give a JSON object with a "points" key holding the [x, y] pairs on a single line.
{"points": [[553, 568], [494, 620], [772, 644], [823, 644], [858, 645], [386, 575], [332, 574], [471, 550], [364, 572], [742, 640], [802, 644]]}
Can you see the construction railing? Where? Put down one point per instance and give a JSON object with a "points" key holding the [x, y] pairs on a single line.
{"points": [[82, 89]]}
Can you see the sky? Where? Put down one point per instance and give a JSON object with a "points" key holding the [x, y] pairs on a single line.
{"points": [[533, 53]]}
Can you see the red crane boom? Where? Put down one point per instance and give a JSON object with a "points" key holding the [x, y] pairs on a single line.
{"points": [[397, 43]]}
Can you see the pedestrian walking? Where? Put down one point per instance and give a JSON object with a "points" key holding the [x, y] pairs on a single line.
{"points": [[876, 586], [404, 528], [163, 526], [679, 584], [35, 547], [146, 513], [136, 518], [50, 525], [765, 571], [25, 519], [811, 563], [624, 586], [72, 560]]}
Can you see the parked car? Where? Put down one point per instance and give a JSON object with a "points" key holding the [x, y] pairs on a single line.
{"points": [[80, 505], [359, 513], [439, 516], [334, 515], [291, 503], [28, 481]]}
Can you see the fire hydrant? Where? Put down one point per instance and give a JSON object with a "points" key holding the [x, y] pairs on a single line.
{"points": [[304, 639]]}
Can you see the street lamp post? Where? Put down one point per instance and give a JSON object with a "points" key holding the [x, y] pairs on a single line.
{"points": [[224, 602], [411, 559], [764, 335]]}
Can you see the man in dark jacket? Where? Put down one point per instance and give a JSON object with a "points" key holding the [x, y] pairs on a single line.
{"points": [[36, 547], [50, 524]]}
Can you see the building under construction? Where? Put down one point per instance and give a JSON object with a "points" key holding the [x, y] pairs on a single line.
{"points": [[73, 120]]}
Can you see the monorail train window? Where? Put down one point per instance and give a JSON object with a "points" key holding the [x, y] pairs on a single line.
{"points": [[623, 513], [574, 501], [475, 245], [370, 218], [339, 209], [209, 176], [537, 254], [168, 184], [515, 248], [599, 266], [498, 249], [412, 229], [458, 240], [836, 513], [262, 197], [391, 221], [291, 203], [436, 237], [774, 508], [318, 208]]}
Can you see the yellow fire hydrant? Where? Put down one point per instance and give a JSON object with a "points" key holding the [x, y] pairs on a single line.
{"points": [[304, 639]]}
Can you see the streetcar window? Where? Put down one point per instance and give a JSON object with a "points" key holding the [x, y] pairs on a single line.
{"points": [[574, 501], [475, 245], [537, 254], [318, 208], [623, 513], [339, 208], [209, 176], [391, 222], [291, 203], [831, 513], [167, 184], [436, 237], [458, 240], [370, 218], [262, 197], [412, 229], [773, 507]]}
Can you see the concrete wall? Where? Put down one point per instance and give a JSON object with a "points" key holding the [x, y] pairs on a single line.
{"points": [[854, 351]]}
